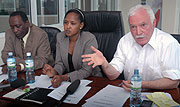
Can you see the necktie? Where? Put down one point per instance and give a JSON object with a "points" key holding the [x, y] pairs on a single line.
{"points": [[22, 46]]}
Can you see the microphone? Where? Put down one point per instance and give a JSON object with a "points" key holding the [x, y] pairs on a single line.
{"points": [[70, 90], [15, 84]]}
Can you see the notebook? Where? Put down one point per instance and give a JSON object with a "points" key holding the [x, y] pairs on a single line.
{"points": [[37, 95]]}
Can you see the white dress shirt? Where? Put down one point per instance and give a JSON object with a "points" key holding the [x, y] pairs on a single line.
{"points": [[159, 58]]}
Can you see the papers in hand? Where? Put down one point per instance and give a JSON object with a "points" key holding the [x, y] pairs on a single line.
{"points": [[110, 96]]}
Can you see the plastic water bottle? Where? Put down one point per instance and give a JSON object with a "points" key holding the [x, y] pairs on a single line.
{"points": [[135, 94], [29, 67], [11, 63]]}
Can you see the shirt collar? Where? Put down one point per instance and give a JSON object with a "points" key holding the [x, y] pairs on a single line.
{"points": [[26, 36], [152, 41]]}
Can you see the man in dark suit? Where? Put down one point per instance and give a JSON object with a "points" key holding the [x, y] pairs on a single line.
{"points": [[23, 37]]}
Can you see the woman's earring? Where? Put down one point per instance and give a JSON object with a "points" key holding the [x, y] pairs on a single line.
{"points": [[80, 27]]}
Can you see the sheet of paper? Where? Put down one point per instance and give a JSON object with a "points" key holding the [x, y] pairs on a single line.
{"points": [[42, 81], [59, 92], [110, 96], [1, 70], [3, 77], [85, 82], [14, 94]]}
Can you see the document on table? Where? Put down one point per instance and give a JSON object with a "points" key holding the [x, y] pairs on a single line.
{"points": [[14, 94], [3, 76], [110, 96], [59, 92], [159, 98], [42, 81]]}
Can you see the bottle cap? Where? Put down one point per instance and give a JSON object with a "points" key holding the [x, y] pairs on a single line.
{"points": [[136, 71], [28, 54], [10, 53]]}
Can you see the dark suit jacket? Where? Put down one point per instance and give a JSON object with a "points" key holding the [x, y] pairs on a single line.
{"points": [[82, 70], [37, 43]]}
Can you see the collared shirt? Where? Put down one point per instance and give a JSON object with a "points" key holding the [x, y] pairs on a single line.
{"points": [[159, 58], [25, 40], [25, 37]]}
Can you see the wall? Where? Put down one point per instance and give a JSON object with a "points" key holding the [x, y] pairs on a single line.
{"points": [[4, 19], [170, 16], [125, 5]]}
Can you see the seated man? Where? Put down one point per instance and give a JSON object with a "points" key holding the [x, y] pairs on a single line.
{"points": [[155, 53], [24, 37]]}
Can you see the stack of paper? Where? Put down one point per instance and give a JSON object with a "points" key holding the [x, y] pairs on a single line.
{"points": [[160, 99], [110, 96]]}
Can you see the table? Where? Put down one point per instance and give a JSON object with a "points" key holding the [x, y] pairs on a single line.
{"points": [[97, 84]]}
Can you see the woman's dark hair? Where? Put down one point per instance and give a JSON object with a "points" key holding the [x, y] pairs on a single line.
{"points": [[80, 14], [21, 14]]}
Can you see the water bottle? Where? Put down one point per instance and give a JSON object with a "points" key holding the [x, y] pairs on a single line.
{"points": [[135, 94], [11, 64], [29, 68]]}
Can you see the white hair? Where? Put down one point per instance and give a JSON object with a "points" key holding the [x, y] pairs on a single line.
{"points": [[148, 9]]}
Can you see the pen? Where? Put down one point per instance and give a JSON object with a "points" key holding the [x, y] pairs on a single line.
{"points": [[50, 86], [120, 84]]}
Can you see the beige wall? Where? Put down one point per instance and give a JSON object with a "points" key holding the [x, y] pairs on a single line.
{"points": [[125, 5], [4, 21], [170, 16]]}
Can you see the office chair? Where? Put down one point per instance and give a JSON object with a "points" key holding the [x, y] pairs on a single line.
{"points": [[52, 32], [108, 28]]}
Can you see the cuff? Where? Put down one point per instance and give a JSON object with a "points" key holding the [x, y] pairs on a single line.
{"points": [[172, 74], [22, 66]]}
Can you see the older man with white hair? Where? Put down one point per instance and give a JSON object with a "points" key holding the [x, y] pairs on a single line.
{"points": [[155, 53]]}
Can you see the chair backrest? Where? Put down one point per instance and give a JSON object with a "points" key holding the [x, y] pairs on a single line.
{"points": [[177, 37], [52, 32], [108, 28]]}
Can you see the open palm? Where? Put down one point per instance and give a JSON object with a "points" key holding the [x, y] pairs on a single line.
{"points": [[94, 59]]}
